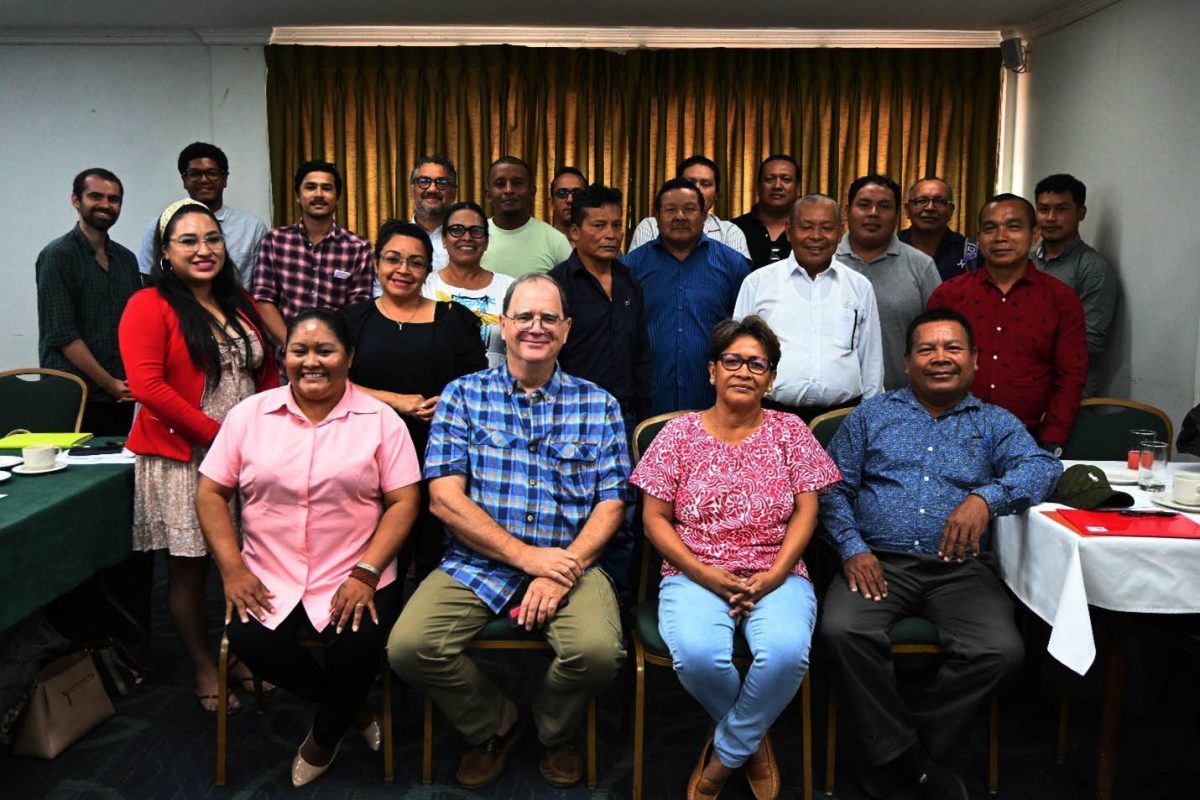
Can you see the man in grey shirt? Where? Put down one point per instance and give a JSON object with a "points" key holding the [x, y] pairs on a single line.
{"points": [[903, 277], [1059, 202]]}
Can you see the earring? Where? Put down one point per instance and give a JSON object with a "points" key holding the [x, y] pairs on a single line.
{"points": [[713, 381], [165, 264]]}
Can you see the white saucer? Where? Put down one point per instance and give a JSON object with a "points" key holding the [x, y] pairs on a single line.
{"points": [[4, 476], [1165, 502], [9, 461], [1121, 477], [24, 470]]}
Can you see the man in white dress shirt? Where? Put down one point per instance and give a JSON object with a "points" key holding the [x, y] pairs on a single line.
{"points": [[824, 314], [703, 173], [204, 169], [434, 186]]}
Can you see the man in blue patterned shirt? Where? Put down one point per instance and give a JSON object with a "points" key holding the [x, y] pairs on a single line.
{"points": [[924, 470], [528, 469]]}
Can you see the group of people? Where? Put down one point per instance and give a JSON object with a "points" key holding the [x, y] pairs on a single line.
{"points": [[457, 404]]}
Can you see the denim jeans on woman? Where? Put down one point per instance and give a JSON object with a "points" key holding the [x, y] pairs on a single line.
{"points": [[698, 630]]}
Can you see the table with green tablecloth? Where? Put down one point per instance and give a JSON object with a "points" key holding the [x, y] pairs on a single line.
{"points": [[58, 529]]}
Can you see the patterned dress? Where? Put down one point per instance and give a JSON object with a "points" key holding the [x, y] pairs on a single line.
{"points": [[733, 501], [164, 509]]}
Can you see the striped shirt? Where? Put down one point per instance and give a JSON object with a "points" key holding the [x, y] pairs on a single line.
{"points": [[293, 274], [684, 300], [537, 463]]}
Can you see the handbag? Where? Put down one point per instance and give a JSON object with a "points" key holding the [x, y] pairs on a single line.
{"points": [[68, 701]]}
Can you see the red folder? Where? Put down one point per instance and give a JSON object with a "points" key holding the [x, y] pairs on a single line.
{"points": [[1112, 523]]}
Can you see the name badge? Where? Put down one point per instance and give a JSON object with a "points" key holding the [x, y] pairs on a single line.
{"points": [[341, 274]]}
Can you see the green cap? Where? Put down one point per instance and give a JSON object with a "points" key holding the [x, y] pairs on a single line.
{"points": [[1086, 486]]}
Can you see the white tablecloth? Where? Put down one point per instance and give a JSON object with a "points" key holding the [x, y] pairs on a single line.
{"points": [[1057, 573]]}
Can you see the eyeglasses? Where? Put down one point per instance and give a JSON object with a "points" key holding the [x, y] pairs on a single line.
{"points": [[424, 181], [921, 202], [394, 260], [756, 364], [525, 319], [564, 193], [457, 231], [194, 175], [215, 241]]}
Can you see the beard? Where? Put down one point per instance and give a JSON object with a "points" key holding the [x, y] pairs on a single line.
{"points": [[100, 223]]}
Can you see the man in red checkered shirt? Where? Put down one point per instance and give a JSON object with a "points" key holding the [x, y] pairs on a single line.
{"points": [[313, 263]]}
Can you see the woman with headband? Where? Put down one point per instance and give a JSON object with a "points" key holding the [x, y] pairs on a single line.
{"points": [[193, 348]]}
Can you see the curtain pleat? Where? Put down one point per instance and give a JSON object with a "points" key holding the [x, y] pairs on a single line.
{"points": [[627, 118]]}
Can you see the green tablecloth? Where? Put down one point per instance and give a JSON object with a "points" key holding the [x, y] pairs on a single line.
{"points": [[57, 530]]}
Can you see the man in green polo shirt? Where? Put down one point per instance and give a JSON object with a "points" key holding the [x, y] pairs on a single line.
{"points": [[83, 282]]}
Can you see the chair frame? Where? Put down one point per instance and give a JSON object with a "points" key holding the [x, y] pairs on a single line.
{"points": [[223, 665], [828, 416], [1137, 406], [911, 649], [10, 373], [642, 656], [506, 644]]}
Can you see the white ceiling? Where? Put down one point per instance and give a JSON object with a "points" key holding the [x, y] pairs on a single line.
{"points": [[962, 15]]}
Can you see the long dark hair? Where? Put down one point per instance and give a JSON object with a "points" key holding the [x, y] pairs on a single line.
{"points": [[196, 323]]}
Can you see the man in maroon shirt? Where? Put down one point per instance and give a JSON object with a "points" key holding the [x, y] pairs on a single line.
{"points": [[1029, 327]]}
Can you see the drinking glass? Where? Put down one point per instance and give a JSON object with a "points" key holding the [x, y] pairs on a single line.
{"points": [[1152, 466], [1136, 437]]}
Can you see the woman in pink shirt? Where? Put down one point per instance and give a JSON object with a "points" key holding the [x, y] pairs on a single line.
{"points": [[328, 479], [730, 502]]}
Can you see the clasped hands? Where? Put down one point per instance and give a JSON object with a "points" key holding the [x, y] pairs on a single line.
{"points": [[741, 593], [553, 571]]}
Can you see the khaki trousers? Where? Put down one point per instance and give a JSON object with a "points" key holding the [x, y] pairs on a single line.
{"points": [[427, 643]]}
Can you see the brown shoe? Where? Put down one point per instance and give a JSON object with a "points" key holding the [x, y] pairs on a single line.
{"points": [[561, 766], [764, 775], [485, 762], [700, 787]]}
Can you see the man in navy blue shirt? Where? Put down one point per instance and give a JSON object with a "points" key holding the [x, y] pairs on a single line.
{"points": [[690, 283], [924, 470]]}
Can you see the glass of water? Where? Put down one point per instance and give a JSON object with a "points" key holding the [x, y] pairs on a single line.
{"points": [[1152, 467]]}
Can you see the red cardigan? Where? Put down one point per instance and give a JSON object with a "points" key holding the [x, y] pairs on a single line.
{"points": [[164, 380]]}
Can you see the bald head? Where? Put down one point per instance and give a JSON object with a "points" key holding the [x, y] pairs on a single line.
{"points": [[815, 199]]}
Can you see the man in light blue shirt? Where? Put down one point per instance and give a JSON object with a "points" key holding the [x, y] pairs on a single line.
{"points": [[824, 314], [204, 169], [689, 283], [924, 470]]}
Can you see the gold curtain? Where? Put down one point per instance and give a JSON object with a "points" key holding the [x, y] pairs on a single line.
{"points": [[626, 119]]}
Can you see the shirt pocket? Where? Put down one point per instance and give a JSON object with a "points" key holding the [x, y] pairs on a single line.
{"points": [[493, 454], [575, 467], [838, 327]]}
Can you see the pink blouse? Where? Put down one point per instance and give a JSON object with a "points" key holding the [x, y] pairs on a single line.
{"points": [[733, 502], [312, 495]]}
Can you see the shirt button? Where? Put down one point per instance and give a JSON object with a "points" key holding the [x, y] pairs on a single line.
{"points": [[917, 543], [926, 477], [930, 449], [920, 511], [533, 448], [533, 483], [999, 328], [993, 386], [996, 356], [529, 517], [1003, 299]]}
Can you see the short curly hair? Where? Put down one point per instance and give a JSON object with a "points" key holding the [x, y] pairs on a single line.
{"points": [[727, 330]]}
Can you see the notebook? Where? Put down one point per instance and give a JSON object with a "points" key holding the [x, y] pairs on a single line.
{"points": [[16, 441], [1111, 523]]}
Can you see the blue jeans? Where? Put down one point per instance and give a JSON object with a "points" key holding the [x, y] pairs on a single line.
{"points": [[697, 628]]}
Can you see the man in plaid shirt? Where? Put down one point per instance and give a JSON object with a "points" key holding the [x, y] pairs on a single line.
{"points": [[527, 467], [314, 263]]}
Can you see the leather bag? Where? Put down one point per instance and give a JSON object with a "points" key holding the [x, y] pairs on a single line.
{"points": [[68, 701]]}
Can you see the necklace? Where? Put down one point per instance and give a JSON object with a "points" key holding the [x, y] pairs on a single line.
{"points": [[399, 325]]}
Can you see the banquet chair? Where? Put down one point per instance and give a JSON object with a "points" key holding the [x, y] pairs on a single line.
{"points": [[223, 668], [1102, 426], [823, 427], [912, 636], [499, 635], [41, 401], [649, 647]]}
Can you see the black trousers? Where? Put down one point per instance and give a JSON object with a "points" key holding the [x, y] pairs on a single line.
{"points": [[103, 418], [974, 618], [351, 659]]}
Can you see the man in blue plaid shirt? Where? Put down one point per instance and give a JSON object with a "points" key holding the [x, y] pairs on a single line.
{"points": [[527, 468]]}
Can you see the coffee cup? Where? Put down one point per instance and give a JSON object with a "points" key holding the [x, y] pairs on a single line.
{"points": [[40, 457], [1185, 488]]}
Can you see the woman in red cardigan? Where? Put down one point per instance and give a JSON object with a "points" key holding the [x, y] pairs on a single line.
{"points": [[193, 348]]}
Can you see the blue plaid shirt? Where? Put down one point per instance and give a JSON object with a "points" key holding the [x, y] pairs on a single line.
{"points": [[537, 463]]}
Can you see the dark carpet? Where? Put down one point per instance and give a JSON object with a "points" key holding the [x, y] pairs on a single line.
{"points": [[160, 745]]}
